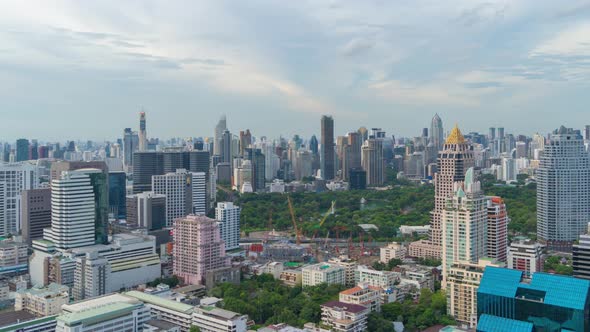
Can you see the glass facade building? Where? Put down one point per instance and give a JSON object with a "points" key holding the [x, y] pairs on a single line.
{"points": [[118, 194], [549, 302]]}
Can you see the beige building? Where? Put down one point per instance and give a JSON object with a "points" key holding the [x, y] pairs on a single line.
{"points": [[42, 301], [344, 317], [424, 249], [363, 294], [393, 250], [371, 277], [349, 266], [292, 278]]}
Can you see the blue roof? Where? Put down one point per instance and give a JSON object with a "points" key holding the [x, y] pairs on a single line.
{"points": [[500, 281], [562, 291], [555, 289], [489, 323]]}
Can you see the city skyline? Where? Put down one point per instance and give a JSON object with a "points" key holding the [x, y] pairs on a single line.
{"points": [[393, 64]]}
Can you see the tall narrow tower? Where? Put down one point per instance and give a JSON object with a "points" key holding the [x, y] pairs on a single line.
{"points": [[454, 160], [219, 129], [142, 133], [436, 132], [327, 154]]}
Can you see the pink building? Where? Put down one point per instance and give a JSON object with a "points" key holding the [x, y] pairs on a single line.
{"points": [[198, 248]]}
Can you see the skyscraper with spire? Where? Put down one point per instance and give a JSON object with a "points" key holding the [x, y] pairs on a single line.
{"points": [[436, 132], [219, 129], [142, 132], [454, 159]]}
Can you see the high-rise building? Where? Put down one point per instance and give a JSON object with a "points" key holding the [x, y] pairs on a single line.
{"points": [[142, 133], [117, 194], [226, 147], [198, 248], [354, 149], [455, 158], [563, 184], [72, 211], [22, 149], [327, 148], [497, 225], [185, 193], [35, 213], [219, 129], [146, 165], [130, 145], [245, 141], [547, 302], [146, 210], [372, 160], [358, 179], [14, 178], [258, 168], [228, 216], [527, 256], [437, 132], [91, 276], [464, 222]]}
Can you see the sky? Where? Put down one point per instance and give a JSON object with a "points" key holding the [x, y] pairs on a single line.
{"points": [[85, 69]]}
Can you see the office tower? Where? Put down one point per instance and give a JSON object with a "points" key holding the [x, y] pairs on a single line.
{"points": [[226, 147], [223, 173], [492, 134], [545, 303], [22, 149], [358, 179], [198, 248], [146, 165], [146, 210], [184, 191], [33, 153], [92, 276], [14, 178], [327, 148], [527, 256], [455, 158], [219, 130], [372, 160], [303, 165], [587, 132], [228, 216], [342, 156], [142, 133], [497, 224], [563, 183], [72, 211], [43, 152], [130, 145], [117, 194], [99, 182], [6, 154], [315, 153], [500, 132], [355, 143], [581, 256], [437, 132], [364, 133], [35, 213], [521, 150], [258, 169], [464, 220], [245, 141], [242, 180]]}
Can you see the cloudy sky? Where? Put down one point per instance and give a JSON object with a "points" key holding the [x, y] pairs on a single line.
{"points": [[84, 69]]}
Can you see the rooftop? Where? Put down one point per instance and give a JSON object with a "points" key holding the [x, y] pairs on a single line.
{"points": [[12, 317], [455, 137], [221, 313], [97, 314], [499, 324], [14, 326], [354, 308], [156, 300]]}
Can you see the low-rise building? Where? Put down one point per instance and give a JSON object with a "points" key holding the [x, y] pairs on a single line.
{"points": [[424, 249], [156, 325], [349, 267], [371, 277], [17, 323], [393, 250], [166, 310], [421, 275], [292, 278], [274, 268], [411, 230], [213, 319], [323, 273], [344, 317], [526, 256], [14, 257], [42, 301], [365, 295]]}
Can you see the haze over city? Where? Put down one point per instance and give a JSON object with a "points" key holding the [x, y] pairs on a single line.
{"points": [[518, 64]]}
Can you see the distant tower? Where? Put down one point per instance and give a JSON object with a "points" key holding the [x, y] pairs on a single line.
{"points": [[454, 159], [436, 132], [327, 146], [219, 129], [142, 133]]}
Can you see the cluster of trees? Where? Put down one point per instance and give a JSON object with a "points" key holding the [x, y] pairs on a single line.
{"points": [[267, 301], [387, 209], [387, 266], [172, 281], [559, 265], [431, 309]]}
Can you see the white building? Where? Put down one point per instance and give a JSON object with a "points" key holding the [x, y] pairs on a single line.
{"points": [[91, 276], [167, 310], [213, 319], [13, 257], [371, 277], [185, 193], [14, 178], [526, 256], [42, 301], [323, 273], [363, 294], [228, 216], [72, 212], [345, 317], [393, 250], [277, 186], [410, 230]]}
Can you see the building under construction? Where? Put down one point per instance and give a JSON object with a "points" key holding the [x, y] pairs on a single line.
{"points": [[285, 252]]}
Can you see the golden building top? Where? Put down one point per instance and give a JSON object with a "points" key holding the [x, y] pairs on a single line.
{"points": [[455, 137]]}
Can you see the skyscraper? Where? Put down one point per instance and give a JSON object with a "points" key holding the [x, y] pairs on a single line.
{"points": [[228, 216], [455, 158], [35, 212], [130, 145], [226, 147], [142, 133], [117, 194], [245, 141], [72, 211], [258, 168], [327, 148], [372, 160], [14, 178], [198, 248], [147, 210], [219, 129], [563, 184], [497, 225], [185, 193], [437, 132], [22, 149]]}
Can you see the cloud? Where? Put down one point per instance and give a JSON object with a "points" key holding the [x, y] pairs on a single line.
{"points": [[357, 46], [482, 13], [573, 41]]}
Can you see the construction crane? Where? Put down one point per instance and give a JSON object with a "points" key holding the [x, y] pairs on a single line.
{"points": [[326, 215], [292, 212]]}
